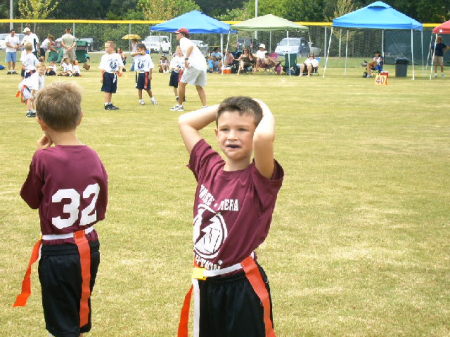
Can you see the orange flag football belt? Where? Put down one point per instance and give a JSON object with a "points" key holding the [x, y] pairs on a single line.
{"points": [[254, 276], [85, 260]]}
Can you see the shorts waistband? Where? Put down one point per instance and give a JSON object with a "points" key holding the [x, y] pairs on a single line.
{"points": [[48, 237], [223, 271]]}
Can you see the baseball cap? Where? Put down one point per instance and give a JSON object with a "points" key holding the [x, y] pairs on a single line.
{"points": [[183, 30], [26, 30], [262, 45]]}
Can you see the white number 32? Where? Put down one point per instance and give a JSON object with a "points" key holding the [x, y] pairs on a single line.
{"points": [[88, 214]]}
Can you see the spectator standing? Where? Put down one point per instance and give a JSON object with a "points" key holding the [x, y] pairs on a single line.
{"points": [[438, 60], [48, 45], [31, 38], [69, 44], [12, 44], [195, 69]]}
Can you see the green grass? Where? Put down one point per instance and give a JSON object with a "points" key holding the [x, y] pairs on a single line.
{"points": [[359, 244]]}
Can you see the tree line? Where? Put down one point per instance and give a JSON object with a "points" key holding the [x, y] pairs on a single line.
{"points": [[296, 10]]}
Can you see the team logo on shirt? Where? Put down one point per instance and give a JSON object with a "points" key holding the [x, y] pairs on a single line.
{"points": [[113, 65], [209, 239], [141, 64]]}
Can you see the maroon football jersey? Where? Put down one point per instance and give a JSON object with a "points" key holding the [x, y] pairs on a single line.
{"points": [[69, 185], [232, 209]]}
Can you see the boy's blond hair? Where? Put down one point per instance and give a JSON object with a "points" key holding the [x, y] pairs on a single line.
{"points": [[112, 44], [28, 47], [59, 106]]}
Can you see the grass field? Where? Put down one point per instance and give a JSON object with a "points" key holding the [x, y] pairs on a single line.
{"points": [[359, 244]]}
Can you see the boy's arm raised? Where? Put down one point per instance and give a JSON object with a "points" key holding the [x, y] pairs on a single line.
{"points": [[191, 123], [263, 139]]}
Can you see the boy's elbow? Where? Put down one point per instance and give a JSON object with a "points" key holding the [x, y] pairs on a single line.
{"points": [[263, 137]]}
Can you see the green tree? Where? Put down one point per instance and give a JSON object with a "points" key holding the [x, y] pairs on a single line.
{"points": [[166, 9], [218, 8], [36, 9], [82, 9]]}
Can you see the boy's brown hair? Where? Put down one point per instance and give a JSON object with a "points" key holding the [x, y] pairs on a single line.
{"points": [[243, 105], [28, 47], [59, 106]]}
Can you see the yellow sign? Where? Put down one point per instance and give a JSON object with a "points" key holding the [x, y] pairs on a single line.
{"points": [[381, 79]]}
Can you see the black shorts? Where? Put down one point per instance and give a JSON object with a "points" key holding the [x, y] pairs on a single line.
{"points": [[143, 81], [109, 83], [173, 81], [229, 307], [60, 277]]}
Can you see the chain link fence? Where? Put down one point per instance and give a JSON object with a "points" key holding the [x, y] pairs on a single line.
{"points": [[361, 43]]}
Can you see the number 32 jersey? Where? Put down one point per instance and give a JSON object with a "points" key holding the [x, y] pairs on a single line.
{"points": [[69, 185]]}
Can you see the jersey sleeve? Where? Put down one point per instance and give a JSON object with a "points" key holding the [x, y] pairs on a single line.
{"points": [[150, 63], [102, 65], [267, 189], [202, 159], [31, 191]]}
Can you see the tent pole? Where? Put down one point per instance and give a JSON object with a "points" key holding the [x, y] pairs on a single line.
{"points": [[429, 49], [346, 53], [270, 41], [288, 54], [221, 49], [328, 52], [382, 43], [421, 48], [325, 43], [412, 54], [434, 51]]}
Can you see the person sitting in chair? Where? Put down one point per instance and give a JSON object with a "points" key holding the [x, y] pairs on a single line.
{"points": [[309, 66], [246, 60], [376, 65]]}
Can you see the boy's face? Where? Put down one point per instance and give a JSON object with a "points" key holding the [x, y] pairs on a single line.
{"points": [[41, 70], [109, 48], [235, 135]]}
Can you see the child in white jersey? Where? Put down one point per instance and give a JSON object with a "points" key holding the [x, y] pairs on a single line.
{"points": [[111, 66], [143, 65], [29, 87], [29, 61]]}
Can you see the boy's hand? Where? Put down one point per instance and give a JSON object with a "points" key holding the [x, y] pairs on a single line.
{"points": [[44, 142]]}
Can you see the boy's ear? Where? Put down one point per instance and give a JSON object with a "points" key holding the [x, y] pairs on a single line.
{"points": [[43, 125], [81, 117]]}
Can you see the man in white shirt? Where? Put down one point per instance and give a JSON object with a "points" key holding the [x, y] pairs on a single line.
{"points": [[195, 69], [12, 44], [260, 57], [32, 38]]}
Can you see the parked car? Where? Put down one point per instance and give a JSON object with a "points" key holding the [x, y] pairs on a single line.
{"points": [[296, 45], [202, 46], [3, 37], [157, 43]]}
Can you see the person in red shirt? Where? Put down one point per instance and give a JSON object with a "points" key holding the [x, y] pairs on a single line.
{"points": [[233, 206], [68, 183]]}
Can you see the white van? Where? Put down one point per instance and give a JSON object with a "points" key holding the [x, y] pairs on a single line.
{"points": [[157, 43]]}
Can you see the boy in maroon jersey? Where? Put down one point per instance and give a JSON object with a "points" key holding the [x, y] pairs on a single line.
{"points": [[68, 183], [233, 207]]}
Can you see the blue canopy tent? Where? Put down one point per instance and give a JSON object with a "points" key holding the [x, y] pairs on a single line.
{"points": [[377, 15], [197, 23]]}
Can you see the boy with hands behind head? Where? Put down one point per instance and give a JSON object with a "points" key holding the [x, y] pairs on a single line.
{"points": [[233, 207]]}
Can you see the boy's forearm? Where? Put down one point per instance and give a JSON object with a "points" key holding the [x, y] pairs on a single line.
{"points": [[200, 118]]}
